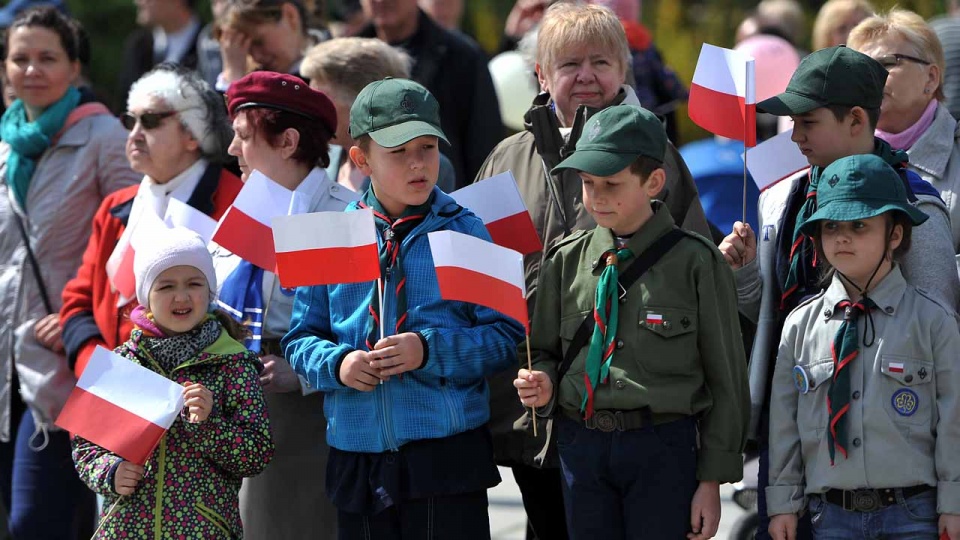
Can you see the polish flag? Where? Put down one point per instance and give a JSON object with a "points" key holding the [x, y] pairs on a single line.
{"points": [[181, 214], [896, 367], [775, 159], [654, 318], [497, 202], [473, 270], [245, 227], [723, 94], [139, 235], [325, 248], [121, 406]]}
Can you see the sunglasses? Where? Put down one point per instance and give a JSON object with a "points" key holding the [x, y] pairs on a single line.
{"points": [[150, 120], [890, 61]]}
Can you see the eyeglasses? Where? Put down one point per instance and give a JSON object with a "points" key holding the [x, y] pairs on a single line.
{"points": [[890, 61], [150, 120]]}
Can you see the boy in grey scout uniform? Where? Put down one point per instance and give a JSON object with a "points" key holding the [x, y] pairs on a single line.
{"points": [[665, 357], [864, 414]]}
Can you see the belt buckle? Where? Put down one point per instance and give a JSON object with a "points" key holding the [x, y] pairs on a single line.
{"points": [[605, 421], [864, 500]]}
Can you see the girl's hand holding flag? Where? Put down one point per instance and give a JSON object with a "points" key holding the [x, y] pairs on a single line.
{"points": [[127, 477], [534, 388], [198, 401]]}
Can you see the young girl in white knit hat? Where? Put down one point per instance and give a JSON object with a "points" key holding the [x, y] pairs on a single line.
{"points": [[189, 487]]}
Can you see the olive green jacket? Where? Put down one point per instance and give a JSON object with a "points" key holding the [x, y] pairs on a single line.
{"points": [[690, 362]]}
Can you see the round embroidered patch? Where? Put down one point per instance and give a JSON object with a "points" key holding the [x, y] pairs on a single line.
{"points": [[288, 291], [905, 402], [801, 380]]}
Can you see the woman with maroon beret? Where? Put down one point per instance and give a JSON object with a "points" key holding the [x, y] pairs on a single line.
{"points": [[282, 129]]}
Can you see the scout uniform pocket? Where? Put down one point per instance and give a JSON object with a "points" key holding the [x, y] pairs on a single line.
{"points": [[906, 389], [669, 344], [812, 381]]}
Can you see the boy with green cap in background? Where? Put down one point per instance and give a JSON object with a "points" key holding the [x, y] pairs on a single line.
{"points": [[659, 358], [410, 454], [834, 100], [865, 407]]}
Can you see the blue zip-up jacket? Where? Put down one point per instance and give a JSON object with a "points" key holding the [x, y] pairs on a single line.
{"points": [[465, 343]]}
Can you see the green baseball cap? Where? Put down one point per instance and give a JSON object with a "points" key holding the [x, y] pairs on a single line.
{"points": [[831, 76], [394, 112], [614, 138], [860, 187]]}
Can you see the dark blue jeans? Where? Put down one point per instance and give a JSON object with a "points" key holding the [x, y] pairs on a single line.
{"points": [[446, 517], [910, 519], [42, 491], [628, 484]]}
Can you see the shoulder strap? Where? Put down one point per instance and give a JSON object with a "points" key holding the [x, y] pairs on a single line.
{"points": [[33, 264], [660, 247]]}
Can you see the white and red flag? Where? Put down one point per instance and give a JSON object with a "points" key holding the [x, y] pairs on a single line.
{"points": [[245, 228], [121, 406], [181, 214], [325, 248], [497, 202], [775, 159], [723, 97], [473, 270], [139, 235]]}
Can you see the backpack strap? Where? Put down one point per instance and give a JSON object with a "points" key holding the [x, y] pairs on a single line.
{"points": [[660, 247]]}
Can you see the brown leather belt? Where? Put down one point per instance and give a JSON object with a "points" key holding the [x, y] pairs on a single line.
{"points": [[870, 500]]}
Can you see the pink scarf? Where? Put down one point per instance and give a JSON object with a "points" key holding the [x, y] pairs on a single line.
{"points": [[908, 137]]}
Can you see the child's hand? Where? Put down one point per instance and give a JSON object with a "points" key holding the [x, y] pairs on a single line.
{"points": [[783, 527], [199, 402], [357, 373], [739, 247], [950, 525], [277, 376], [397, 354], [127, 477], [705, 511], [534, 388]]}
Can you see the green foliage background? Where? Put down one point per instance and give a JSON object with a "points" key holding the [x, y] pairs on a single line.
{"points": [[679, 27]]}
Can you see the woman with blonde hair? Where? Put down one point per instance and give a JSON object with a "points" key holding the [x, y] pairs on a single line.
{"points": [[835, 20], [913, 117]]}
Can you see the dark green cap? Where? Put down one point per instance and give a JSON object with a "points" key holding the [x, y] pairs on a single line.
{"points": [[614, 138], [394, 112], [860, 187], [831, 76]]}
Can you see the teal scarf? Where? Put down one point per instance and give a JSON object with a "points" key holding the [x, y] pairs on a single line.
{"points": [[29, 140]]}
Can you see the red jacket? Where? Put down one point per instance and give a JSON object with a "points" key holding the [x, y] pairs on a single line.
{"points": [[90, 316]]}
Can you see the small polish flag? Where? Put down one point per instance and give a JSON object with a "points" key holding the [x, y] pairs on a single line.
{"points": [[896, 367], [723, 94], [473, 270], [121, 406], [775, 159], [181, 214], [245, 228], [497, 202], [324, 248], [146, 227], [654, 318]]}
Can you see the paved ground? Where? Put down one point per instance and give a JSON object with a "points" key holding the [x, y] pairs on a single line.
{"points": [[508, 522]]}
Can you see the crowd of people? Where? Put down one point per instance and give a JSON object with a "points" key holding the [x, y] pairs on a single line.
{"points": [[663, 335]]}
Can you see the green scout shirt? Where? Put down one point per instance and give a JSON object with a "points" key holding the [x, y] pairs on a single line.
{"points": [[691, 362]]}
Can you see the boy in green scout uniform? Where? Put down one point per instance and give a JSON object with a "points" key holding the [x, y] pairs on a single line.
{"points": [[663, 361], [865, 404], [834, 101]]}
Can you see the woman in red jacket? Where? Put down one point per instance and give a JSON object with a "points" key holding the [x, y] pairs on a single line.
{"points": [[179, 134]]}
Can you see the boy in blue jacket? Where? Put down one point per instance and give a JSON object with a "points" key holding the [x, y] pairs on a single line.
{"points": [[410, 454]]}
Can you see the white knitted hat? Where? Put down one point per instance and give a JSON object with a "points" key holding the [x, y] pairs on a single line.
{"points": [[177, 247]]}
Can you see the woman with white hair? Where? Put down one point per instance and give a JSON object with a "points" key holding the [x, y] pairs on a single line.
{"points": [[178, 136], [913, 117]]}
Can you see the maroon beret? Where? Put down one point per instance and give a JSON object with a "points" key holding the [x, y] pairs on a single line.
{"points": [[283, 92]]}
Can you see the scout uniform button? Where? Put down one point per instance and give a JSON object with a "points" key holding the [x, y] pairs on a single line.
{"points": [[908, 378], [889, 309], [667, 325], [619, 343], [827, 313], [801, 380], [621, 385], [856, 394], [856, 442]]}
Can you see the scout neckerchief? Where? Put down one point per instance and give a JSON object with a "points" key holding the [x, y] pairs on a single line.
{"points": [[603, 341], [241, 296], [845, 349], [393, 232], [803, 260]]}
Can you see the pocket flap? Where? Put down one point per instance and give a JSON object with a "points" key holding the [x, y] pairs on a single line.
{"points": [[668, 322], [811, 376], [906, 370]]}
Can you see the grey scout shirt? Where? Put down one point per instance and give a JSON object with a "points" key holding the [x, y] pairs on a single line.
{"points": [[904, 417]]}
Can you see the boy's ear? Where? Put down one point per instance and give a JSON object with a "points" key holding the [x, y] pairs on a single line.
{"points": [[859, 121], [655, 182], [896, 237], [289, 142], [359, 158]]}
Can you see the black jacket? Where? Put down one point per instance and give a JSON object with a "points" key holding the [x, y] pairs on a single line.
{"points": [[454, 69], [138, 59]]}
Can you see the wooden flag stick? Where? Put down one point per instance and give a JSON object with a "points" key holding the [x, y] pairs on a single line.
{"points": [[107, 516], [380, 304], [744, 220], [530, 368]]}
